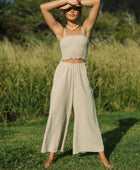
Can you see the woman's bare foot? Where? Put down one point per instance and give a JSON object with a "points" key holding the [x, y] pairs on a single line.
{"points": [[106, 163], [48, 163], [50, 160], [104, 160]]}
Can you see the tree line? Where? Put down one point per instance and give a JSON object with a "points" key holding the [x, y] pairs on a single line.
{"points": [[21, 18]]}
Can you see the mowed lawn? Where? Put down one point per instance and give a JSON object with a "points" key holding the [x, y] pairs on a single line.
{"points": [[20, 144]]}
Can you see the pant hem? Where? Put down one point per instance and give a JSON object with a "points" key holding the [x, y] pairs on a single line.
{"points": [[49, 150], [102, 150]]}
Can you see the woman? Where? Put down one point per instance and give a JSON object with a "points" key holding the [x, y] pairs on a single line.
{"points": [[71, 83]]}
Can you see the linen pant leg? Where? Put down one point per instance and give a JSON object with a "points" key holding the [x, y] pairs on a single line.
{"points": [[60, 110], [87, 135]]}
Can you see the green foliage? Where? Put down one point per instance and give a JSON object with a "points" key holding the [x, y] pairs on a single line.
{"points": [[24, 18], [113, 77], [27, 76], [109, 27], [124, 29], [25, 89]]}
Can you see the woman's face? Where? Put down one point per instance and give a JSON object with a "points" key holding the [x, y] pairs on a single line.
{"points": [[72, 13]]}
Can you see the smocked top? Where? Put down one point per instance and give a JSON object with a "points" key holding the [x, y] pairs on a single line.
{"points": [[74, 46]]}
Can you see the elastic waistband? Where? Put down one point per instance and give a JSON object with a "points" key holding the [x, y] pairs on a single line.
{"points": [[72, 64]]}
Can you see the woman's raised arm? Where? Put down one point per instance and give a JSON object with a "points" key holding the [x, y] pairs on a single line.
{"points": [[55, 26], [93, 14]]}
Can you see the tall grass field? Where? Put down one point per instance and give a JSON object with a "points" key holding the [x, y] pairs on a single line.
{"points": [[26, 77]]}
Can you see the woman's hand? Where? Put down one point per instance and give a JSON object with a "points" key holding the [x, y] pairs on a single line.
{"points": [[73, 2], [65, 6], [70, 4]]}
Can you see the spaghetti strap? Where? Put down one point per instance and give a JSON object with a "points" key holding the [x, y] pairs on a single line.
{"points": [[64, 32], [82, 30]]}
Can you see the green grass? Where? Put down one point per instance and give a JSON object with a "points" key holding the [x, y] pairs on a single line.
{"points": [[27, 76], [20, 144]]}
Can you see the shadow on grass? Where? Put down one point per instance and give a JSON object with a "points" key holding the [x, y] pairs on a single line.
{"points": [[110, 138], [113, 137], [63, 154]]}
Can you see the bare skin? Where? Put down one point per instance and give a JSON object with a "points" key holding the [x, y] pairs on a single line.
{"points": [[58, 29]]}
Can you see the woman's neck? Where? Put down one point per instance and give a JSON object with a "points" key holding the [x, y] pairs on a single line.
{"points": [[71, 24]]}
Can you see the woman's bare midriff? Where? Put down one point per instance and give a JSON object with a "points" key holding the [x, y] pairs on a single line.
{"points": [[74, 61]]}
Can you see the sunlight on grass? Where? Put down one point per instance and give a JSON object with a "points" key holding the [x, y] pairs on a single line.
{"points": [[21, 142], [27, 77]]}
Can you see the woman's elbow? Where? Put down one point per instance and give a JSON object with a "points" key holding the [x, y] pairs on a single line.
{"points": [[44, 7], [41, 6], [98, 2]]}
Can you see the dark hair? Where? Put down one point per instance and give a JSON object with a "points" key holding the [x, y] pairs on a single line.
{"points": [[64, 11]]}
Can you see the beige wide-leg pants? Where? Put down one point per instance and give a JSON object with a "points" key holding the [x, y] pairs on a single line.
{"points": [[71, 87]]}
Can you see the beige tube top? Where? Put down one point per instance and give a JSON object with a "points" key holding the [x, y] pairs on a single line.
{"points": [[74, 46]]}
